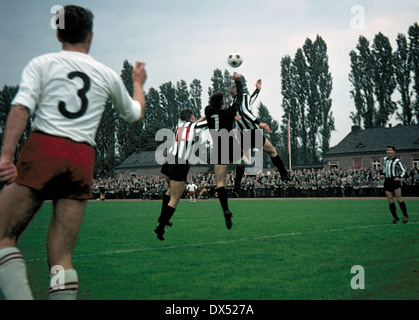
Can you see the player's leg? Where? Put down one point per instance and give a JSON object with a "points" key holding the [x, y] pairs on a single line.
{"points": [[220, 171], [392, 205], [176, 191], [18, 205], [239, 178], [166, 199], [402, 204], [62, 235], [275, 158]]}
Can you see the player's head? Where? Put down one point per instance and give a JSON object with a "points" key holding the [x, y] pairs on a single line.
{"points": [[217, 100], [187, 115], [232, 90], [391, 151], [78, 23]]}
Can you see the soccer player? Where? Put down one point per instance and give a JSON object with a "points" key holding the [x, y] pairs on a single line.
{"points": [[394, 171], [176, 173], [220, 122], [191, 187], [67, 92], [247, 121]]}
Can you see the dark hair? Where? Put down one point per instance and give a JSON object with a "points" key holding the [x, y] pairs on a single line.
{"points": [[391, 147], [186, 114], [78, 22], [217, 100]]}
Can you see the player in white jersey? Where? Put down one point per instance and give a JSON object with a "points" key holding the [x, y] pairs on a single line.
{"points": [[176, 168], [394, 172], [67, 93], [192, 187]]}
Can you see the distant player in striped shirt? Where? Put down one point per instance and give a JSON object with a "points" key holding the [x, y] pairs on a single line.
{"points": [[176, 172], [394, 172]]}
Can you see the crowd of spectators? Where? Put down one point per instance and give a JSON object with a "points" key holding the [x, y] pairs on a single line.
{"points": [[304, 183]]}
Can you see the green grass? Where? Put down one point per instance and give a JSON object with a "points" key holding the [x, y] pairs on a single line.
{"points": [[276, 250]]}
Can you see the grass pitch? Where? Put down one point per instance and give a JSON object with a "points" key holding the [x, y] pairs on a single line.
{"points": [[276, 250]]}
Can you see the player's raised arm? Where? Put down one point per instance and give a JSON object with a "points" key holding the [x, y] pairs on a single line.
{"points": [[139, 76]]}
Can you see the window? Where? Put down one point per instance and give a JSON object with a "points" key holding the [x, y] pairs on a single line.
{"points": [[333, 164], [376, 163], [357, 163]]}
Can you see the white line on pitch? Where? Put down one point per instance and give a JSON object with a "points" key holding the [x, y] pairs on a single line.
{"points": [[210, 243]]}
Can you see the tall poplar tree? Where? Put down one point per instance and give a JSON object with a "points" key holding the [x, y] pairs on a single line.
{"points": [[403, 79], [383, 78], [414, 63]]}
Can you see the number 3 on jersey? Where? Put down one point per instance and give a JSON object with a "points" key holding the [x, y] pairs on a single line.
{"points": [[82, 95]]}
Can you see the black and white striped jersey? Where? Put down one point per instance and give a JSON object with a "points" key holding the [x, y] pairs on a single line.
{"points": [[186, 135], [248, 119], [393, 168]]}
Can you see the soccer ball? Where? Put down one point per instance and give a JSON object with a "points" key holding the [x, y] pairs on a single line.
{"points": [[235, 60]]}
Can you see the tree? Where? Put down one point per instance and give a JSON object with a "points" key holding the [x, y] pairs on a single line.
{"points": [[356, 93], [168, 105], [182, 96], [154, 120], [221, 82], [361, 77], [324, 87], [195, 90], [414, 63], [274, 137], [403, 79], [106, 158], [128, 134], [319, 103], [292, 106], [306, 89], [383, 78]]}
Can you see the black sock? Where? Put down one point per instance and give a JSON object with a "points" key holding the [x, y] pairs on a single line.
{"points": [[223, 197], [165, 202], [165, 216], [239, 176], [393, 210], [403, 208], [277, 161]]}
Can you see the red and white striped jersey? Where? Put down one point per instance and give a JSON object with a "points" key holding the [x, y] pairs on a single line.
{"points": [[185, 137]]}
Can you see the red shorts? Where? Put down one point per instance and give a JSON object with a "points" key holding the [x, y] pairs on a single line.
{"points": [[192, 193], [58, 167]]}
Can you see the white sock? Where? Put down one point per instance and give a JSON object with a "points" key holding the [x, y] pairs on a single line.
{"points": [[13, 277], [63, 288]]}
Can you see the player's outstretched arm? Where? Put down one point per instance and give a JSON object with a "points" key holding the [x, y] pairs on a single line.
{"points": [[139, 76], [15, 125]]}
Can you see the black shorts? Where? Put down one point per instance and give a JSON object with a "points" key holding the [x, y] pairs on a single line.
{"points": [[176, 172], [390, 184]]}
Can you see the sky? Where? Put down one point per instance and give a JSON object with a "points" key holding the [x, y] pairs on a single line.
{"points": [[188, 39]]}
